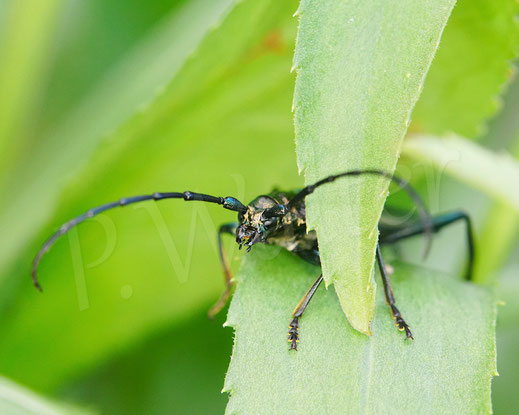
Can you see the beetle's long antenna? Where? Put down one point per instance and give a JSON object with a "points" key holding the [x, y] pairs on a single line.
{"points": [[228, 203], [425, 216]]}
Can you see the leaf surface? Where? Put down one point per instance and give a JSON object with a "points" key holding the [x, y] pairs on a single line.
{"points": [[26, 35], [130, 272], [361, 66], [470, 70], [128, 88], [185, 367], [337, 370]]}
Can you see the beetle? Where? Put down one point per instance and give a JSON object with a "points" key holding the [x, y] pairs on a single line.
{"points": [[279, 218]]}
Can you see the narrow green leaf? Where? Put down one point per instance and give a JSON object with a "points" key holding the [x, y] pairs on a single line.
{"points": [[27, 29], [446, 369], [492, 173], [126, 89], [496, 241], [472, 65], [497, 237], [505, 399], [183, 365], [361, 66], [226, 111], [16, 400]]}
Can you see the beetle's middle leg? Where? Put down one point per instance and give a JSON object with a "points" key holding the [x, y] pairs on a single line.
{"points": [[293, 327], [390, 298], [229, 228]]}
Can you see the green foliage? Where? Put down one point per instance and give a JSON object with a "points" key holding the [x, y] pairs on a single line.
{"points": [[497, 241], [181, 370], [25, 36], [494, 174], [64, 147], [16, 400], [347, 73], [504, 387], [241, 97], [470, 69], [108, 99], [336, 370], [497, 237]]}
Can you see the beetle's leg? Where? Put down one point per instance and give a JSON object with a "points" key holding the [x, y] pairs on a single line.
{"points": [[293, 327], [438, 222], [425, 216], [390, 298], [229, 228]]}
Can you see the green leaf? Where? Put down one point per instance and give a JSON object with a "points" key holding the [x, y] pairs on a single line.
{"points": [[497, 236], [16, 400], [470, 69], [496, 241], [222, 126], [504, 388], [128, 87], [26, 33], [361, 66], [96, 41], [183, 368], [492, 173], [336, 370]]}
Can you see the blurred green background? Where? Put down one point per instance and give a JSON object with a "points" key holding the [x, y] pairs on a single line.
{"points": [[100, 100]]}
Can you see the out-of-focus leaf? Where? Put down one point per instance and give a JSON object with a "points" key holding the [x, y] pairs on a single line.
{"points": [[492, 173], [95, 37], [223, 126], [129, 87], [361, 66], [175, 372], [16, 400], [497, 237], [26, 31], [472, 65], [503, 129], [336, 370], [496, 241]]}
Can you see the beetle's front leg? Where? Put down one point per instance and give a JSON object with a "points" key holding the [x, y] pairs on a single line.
{"points": [[390, 298], [229, 228], [293, 327]]}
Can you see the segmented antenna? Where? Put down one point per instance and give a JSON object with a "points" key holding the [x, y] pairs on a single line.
{"points": [[228, 203], [425, 216]]}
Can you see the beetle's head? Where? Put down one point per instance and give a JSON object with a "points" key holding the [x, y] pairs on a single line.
{"points": [[262, 218]]}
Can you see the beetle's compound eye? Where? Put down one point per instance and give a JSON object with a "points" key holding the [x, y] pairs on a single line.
{"points": [[276, 211], [267, 226]]}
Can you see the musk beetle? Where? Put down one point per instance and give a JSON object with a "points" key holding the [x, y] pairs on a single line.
{"points": [[279, 218]]}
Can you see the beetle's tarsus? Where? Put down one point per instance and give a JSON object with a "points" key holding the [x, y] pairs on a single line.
{"points": [[38, 286], [293, 333], [400, 323]]}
